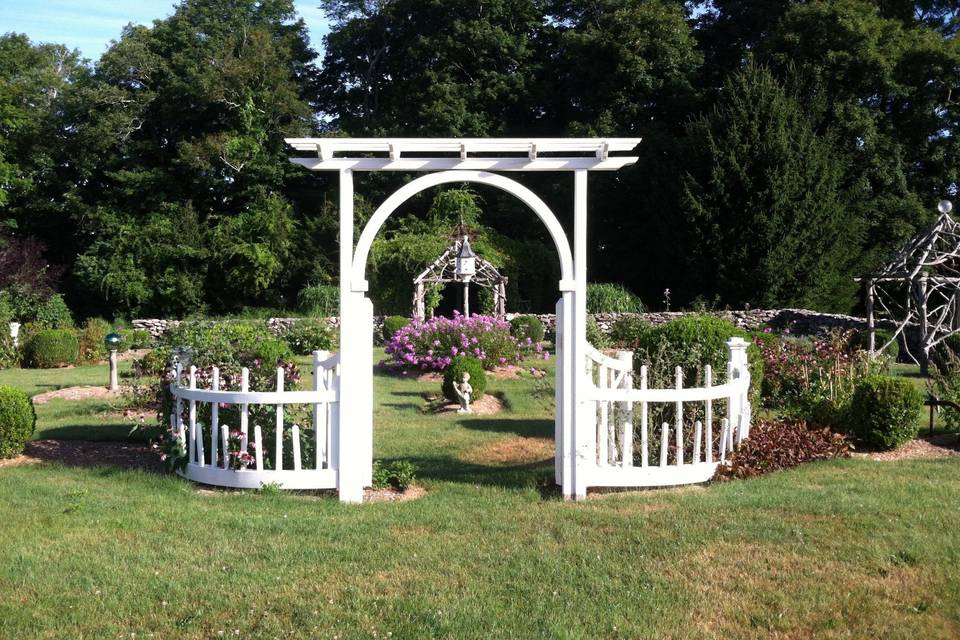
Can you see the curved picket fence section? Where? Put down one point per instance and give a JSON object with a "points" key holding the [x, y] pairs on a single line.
{"points": [[240, 456], [633, 449]]}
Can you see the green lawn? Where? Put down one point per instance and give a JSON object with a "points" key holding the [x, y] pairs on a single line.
{"points": [[843, 549]]}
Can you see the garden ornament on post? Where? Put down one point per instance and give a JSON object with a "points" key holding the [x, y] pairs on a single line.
{"points": [[466, 268], [15, 333], [112, 342], [464, 392]]}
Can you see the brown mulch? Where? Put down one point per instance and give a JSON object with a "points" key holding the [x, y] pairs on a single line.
{"points": [[488, 405], [79, 453], [76, 393], [945, 445]]}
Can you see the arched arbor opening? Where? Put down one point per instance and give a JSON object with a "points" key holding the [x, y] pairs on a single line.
{"points": [[457, 160]]}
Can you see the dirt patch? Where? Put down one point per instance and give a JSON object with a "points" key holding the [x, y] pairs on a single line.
{"points": [[393, 495], [76, 393], [485, 406], [945, 445], [512, 451], [79, 453]]}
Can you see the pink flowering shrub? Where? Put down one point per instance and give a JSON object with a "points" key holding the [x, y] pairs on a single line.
{"points": [[432, 345]]}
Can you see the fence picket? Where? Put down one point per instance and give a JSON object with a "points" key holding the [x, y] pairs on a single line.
{"points": [[708, 412], [603, 453], [663, 444], [679, 417], [626, 456], [258, 449], [295, 433], [215, 420], [612, 425], [192, 417], [725, 424], [698, 434], [244, 411], [319, 410], [278, 439], [224, 440], [644, 452]]}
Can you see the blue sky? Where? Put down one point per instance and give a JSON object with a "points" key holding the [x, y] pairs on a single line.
{"points": [[89, 25]]}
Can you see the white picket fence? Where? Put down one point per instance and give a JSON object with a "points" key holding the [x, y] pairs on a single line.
{"points": [[621, 408], [213, 465]]}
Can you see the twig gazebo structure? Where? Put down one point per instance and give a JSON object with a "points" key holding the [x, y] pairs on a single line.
{"points": [[919, 289], [454, 265]]}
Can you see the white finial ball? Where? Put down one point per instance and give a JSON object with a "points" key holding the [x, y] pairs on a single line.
{"points": [[944, 206]]}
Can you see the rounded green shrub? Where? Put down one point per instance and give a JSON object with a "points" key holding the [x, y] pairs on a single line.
{"points": [[51, 348], [17, 421], [608, 297], [693, 342], [523, 327], [627, 332], [392, 324], [885, 411], [137, 338], [861, 341], [453, 373]]}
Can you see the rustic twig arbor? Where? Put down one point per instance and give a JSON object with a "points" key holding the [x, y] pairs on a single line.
{"points": [[919, 289], [444, 270]]}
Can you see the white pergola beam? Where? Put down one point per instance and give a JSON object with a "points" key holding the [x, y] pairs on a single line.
{"points": [[591, 146], [470, 164]]}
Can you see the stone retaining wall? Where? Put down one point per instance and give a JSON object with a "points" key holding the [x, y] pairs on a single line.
{"points": [[798, 321]]}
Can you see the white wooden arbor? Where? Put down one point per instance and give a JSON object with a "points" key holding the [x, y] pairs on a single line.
{"points": [[458, 160]]}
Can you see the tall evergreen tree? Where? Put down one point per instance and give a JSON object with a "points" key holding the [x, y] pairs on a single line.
{"points": [[768, 218]]}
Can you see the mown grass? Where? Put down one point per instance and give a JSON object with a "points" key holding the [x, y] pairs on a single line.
{"points": [[843, 549]]}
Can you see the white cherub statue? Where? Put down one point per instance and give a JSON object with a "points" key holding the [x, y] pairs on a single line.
{"points": [[464, 392]]}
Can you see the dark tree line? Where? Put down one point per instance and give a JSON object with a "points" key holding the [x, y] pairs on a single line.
{"points": [[787, 145]]}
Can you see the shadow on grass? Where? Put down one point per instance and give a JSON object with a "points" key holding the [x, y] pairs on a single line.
{"points": [[98, 433], [534, 475], [520, 426]]}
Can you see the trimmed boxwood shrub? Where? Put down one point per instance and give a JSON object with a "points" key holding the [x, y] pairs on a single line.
{"points": [[52, 348], [523, 327], [861, 340], [692, 342], [459, 366], [392, 324], [885, 411], [17, 421]]}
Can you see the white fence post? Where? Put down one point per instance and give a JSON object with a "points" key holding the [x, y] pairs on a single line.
{"points": [[626, 440], [740, 403]]}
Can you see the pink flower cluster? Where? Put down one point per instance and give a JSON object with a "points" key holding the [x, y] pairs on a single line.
{"points": [[432, 345]]}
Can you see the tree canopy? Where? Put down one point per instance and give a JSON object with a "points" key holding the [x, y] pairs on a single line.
{"points": [[788, 146]]}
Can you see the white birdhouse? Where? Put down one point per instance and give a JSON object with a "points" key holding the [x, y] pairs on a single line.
{"points": [[466, 261]]}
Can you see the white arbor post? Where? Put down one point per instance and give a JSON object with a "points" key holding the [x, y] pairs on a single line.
{"points": [[582, 425], [350, 463]]}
